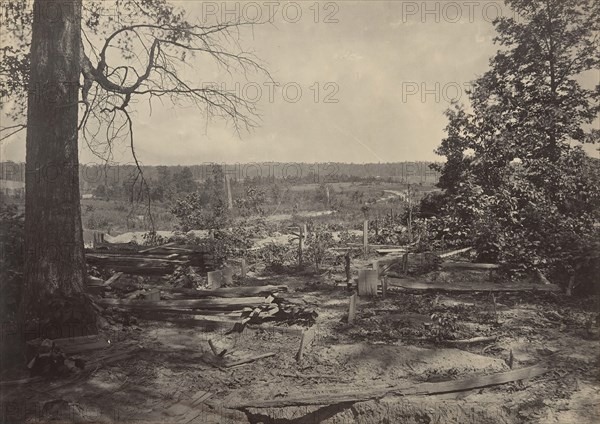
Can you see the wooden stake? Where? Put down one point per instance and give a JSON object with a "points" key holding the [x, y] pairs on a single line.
{"points": [[308, 336], [366, 236], [243, 266], [352, 309]]}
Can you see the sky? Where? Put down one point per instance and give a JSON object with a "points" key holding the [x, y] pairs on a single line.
{"points": [[359, 81]]}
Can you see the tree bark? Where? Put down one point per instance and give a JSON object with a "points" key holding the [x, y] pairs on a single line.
{"points": [[54, 260]]}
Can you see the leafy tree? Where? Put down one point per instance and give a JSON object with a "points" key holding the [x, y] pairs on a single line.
{"points": [[184, 181], [205, 209], [515, 181], [131, 50]]}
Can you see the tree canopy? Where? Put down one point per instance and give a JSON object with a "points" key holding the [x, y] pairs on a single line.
{"points": [[516, 181]]}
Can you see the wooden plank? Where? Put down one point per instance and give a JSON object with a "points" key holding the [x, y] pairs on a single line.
{"points": [[234, 363], [367, 282], [395, 250], [112, 279], [455, 252], [473, 340], [413, 284], [477, 382], [228, 291], [234, 303], [150, 249], [215, 279], [469, 266], [308, 337], [352, 309], [343, 395]]}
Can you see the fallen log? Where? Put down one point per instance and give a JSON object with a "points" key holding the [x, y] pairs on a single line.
{"points": [[342, 395]]}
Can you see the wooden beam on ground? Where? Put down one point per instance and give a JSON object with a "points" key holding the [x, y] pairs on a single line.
{"points": [[343, 395], [413, 284], [227, 291], [473, 340], [455, 252], [394, 250], [234, 303], [162, 246], [471, 266]]}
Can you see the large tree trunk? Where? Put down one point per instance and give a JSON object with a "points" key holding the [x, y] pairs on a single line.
{"points": [[54, 262]]}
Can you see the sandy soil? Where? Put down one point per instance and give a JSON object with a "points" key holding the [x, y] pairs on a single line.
{"points": [[391, 342]]}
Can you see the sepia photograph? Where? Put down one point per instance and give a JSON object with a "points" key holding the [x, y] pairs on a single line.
{"points": [[300, 211]]}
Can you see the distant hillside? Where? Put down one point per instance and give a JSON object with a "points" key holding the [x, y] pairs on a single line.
{"points": [[93, 175]]}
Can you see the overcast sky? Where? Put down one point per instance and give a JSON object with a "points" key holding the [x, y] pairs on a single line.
{"points": [[367, 82]]}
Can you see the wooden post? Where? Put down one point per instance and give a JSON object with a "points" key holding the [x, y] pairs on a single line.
{"points": [[308, 337], [375, 266], [215, 279], [229, 197], [384, 283], [367, 282], [352, 309], [366, 236], [301, 236], [347, 266], [243, 268]]}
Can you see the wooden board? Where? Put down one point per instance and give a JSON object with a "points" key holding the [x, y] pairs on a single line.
{"points": [[469, 266], [227, 291], [215, 279], [367, 282], [220, 304], [455, 252], [415, 284], [344, 395]]}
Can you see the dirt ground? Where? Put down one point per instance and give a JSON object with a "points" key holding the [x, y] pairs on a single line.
{"points": [[392, 341]]}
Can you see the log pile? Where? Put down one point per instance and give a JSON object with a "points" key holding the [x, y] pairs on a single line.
{"points": [[159, 260], [241, 304]]}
